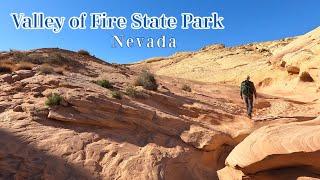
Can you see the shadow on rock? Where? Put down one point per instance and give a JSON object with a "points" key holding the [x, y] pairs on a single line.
{"points": [[20, 160]]}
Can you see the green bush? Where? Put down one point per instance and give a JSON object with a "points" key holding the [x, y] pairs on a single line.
{"points": [[104, 83], [132, 92], [186, 87], [84, 52], [147, 81], [53, 100], [116, 94]]}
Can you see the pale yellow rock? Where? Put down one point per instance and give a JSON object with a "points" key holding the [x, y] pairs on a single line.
{"points": [[228, 173]]}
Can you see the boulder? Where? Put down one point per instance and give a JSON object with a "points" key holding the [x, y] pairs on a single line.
{"points": [[229, 173], [293, 69], [283, 63], [277, 147], [306, 77], [18, 108], [23, 74], [6, 78], [16, 77]]}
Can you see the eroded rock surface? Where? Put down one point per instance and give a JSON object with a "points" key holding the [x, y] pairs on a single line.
{"points": [[164, 134], [292, 145]]}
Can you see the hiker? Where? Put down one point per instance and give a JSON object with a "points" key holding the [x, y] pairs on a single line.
{"points": [[246, 92]]}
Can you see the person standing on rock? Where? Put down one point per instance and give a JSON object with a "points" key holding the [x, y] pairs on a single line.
{"points": [[247, 91]]}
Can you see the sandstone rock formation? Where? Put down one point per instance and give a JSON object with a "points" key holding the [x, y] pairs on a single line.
{"points": [[293, 145], [286, 68], [285, 64], [168, 133]]}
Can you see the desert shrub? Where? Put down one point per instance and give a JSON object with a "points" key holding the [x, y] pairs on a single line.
{"points": [[116, 94], [186, 87], [61, 69], [53, 58], [56, 59], [6, 68], [84, 52], [46, 69], [132, 92], [104, 83], [146, 80], [24, 66], [20, 56], [263, 50], [53, 100]]}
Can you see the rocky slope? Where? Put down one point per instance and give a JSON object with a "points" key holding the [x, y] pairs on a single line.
{"points": [[287, 151], [165, 134], [288, 69], [212, 63]]}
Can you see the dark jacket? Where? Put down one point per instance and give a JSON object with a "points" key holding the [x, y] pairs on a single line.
{"points": [[252, 88]]}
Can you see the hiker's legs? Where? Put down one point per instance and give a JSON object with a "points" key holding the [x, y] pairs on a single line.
{"points": [[246, 100], [249, 104]]}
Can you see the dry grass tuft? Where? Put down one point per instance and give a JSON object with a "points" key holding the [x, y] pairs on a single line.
{"points": [[6, 67], [24, 66], [46, 69]]}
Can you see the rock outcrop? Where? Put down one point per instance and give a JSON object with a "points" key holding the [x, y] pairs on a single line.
{"points": [[291, 145]]}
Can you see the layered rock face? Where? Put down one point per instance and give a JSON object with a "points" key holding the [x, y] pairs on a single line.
{"points": [[92, 135], [170, 133], [292, 146], [219, 64]]}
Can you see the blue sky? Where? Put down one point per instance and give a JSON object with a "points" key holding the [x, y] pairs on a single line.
{"points": [[245, 21]]}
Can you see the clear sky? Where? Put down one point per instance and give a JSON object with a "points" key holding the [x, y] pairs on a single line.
{"points": [[245, 21]]}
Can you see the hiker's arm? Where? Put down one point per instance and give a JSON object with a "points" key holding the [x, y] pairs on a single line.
{"points": [[241, 92], [254, 91]]}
